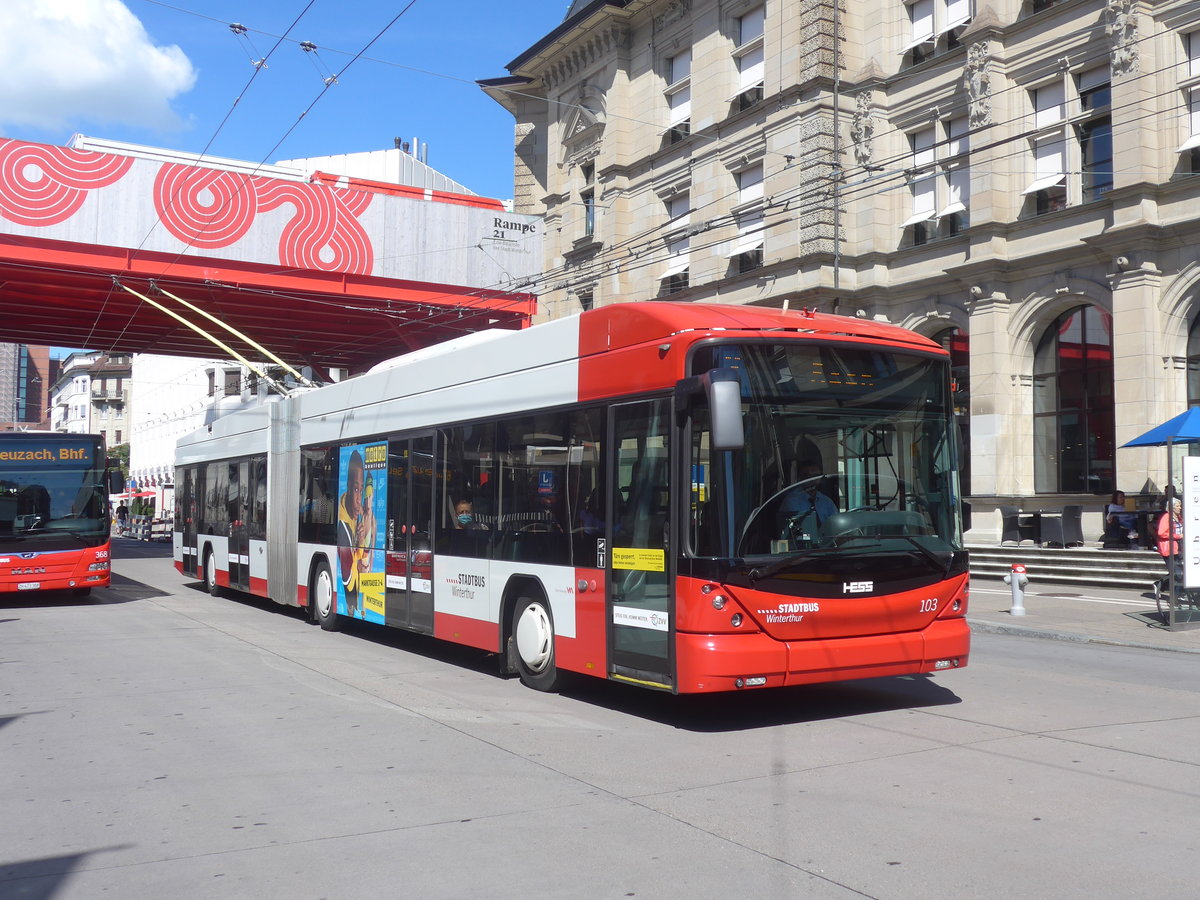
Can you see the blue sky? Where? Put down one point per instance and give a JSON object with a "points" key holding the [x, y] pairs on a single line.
{"points": [[168, 74]]}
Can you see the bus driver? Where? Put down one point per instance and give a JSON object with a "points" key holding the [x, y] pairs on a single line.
{"points": [[805, 507]]}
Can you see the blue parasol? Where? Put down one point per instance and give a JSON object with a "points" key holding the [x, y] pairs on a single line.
{"points": [[1183, 429]]}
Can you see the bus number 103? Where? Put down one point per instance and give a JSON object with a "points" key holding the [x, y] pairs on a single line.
{"points": [[930, 605]]}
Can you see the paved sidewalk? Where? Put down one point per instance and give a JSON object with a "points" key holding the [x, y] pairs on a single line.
{"points": [[1072, 612]]}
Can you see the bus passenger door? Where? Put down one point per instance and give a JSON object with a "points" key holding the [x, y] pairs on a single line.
{"points": [[189, 512], [409, 548], [420, 584], [640, 620], [239, 514]]}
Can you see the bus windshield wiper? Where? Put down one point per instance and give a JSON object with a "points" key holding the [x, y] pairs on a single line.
{"points": [[784, 562], [930, 555], [773, 568]]}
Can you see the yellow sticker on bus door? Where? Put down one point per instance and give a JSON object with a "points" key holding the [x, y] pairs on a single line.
{"points": [[642, 559]]}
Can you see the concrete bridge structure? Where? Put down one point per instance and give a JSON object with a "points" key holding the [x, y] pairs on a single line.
{"points": [[99, 243]]}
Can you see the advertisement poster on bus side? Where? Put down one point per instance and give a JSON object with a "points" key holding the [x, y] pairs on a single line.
{"points": [[362, 520]]}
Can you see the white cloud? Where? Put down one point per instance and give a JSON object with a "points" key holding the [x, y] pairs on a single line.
{"points": [[64, 62]]}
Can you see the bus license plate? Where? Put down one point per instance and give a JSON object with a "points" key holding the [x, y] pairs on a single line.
{"points": [[28, 585]]}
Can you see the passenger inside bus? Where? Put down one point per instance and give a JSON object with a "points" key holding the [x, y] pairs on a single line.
{"points": [[465, 518], [466, 535]]}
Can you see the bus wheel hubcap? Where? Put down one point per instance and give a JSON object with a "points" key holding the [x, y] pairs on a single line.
{"points": [[535, 637], [324, 594]]}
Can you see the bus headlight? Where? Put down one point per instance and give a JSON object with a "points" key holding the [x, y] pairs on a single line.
{"points": [[98, 567]]}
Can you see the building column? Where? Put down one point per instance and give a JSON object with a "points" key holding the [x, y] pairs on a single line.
{"points": [[1149, 376], [1000, 439]]}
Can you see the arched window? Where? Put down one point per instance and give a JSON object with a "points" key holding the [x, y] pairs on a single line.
{"points": [[1073, 433], [1193, 363], [956, 341]]}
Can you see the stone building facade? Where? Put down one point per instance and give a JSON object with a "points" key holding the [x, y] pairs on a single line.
{"points": [[1018, 179], [91, 395]]}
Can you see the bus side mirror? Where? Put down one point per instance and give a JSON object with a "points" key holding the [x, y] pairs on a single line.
{"points": [[723, 390], [115, 484], [725, 406]]}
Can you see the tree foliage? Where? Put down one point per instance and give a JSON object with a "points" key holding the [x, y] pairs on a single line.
{"points": [[120, 453]]}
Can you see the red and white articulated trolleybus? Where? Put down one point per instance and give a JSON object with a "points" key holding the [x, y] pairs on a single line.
{"points": [[54, 518], [685, 497]]}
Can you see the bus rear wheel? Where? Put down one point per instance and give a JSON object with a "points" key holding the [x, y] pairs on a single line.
{"points": [[323, 599], [210, 574], [532, 644]]}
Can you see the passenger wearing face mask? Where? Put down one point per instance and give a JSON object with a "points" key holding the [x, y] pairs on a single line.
{"points": [[464, 517]]}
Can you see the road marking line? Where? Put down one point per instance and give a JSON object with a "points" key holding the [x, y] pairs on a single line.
{"points": [[1029, 597]]}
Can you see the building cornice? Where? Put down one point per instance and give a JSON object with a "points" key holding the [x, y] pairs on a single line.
{"points": [[563, 44]]}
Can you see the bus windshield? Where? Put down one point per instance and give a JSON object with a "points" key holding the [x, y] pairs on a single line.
{"points": [[52, 494], [848, 449]]}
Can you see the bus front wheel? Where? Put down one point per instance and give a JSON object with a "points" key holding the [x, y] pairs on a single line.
{"points": [[210, 574], [533, 644], [323, 599]]}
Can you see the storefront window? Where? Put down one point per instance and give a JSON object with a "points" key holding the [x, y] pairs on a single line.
{"points": [[1193, 363], [1073, 428]]}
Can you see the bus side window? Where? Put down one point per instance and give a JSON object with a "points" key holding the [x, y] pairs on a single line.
{"points": [[258, 498], [466, 488], [318, 509], [533, 453], [216, 487], [585, 485]]}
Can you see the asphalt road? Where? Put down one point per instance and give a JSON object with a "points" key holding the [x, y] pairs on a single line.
{"points": [[160, 743]]}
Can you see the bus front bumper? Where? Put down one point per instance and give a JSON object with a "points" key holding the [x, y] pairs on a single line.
{"points": [[709, 663]]}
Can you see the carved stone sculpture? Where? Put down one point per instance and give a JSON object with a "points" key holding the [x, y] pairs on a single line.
{"points": [[979, 85], [1121, 26], [862, 129]]}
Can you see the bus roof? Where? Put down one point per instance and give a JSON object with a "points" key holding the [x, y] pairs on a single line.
{"points": [[616, 350], [628, 324]]}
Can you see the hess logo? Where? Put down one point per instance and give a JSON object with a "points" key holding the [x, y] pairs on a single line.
{"points": [[857, 587]]}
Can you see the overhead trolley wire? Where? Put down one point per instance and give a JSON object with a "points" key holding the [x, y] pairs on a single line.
{"points": [[609, 263], [258, 68], [328, 82], [872, 181]]}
